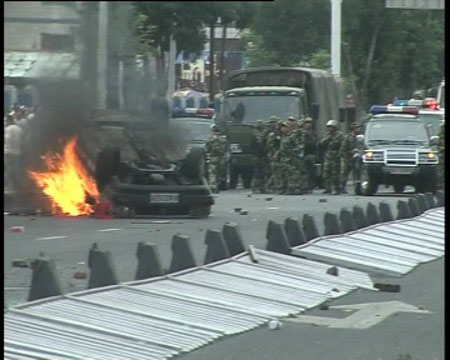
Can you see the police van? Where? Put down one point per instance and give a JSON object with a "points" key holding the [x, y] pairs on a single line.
{"points": [[397, 151]]}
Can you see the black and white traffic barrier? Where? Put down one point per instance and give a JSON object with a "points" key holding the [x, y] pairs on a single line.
{"points": [[385, 212], [359, 217], [149, 264], [182, 255], [372, 214], [233, 238], [276, 238], [414, 207], [216, 249], [309, 228], [294, 232], [44, 281], [102, 272], [346, 219], [331, 223], [403, 210]]}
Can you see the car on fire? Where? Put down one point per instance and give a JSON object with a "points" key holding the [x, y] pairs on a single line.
{"points": [[145, 168]]}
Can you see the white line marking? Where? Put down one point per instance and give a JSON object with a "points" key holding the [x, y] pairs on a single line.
{"points": [[107, 230], [52, 237]]}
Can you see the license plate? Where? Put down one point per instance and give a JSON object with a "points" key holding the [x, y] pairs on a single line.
{"points": [[400, 171], [164, 198]]}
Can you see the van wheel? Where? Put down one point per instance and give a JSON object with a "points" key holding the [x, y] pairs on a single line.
{"points": [[106, 165], [399, 188], [368, 184]]}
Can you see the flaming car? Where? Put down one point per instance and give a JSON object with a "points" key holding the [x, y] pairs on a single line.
{"points": [[145, 169]]}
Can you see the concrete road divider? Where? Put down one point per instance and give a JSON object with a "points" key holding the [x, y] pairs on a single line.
{"points": [[233, 238], [414, 208], [216, 248], [149, 264], [359, 217], [294, 232], [44, 281], [440, 196], [182, 256], [372, 214], [403, 210], [309, 228], [276, 238], [385, 212], [102, 271], [422, 201], [430, 200], [331, 223], [346, 219]]}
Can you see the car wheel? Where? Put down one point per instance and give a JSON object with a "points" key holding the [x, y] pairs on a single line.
{"points": [[399, 188], [368, 183], [107, 164]]}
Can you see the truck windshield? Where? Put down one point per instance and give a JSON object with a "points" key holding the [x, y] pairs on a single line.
{"points": [[396, 132], [249, 109]]}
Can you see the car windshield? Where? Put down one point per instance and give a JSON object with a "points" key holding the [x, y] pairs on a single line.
{"points": [[396, 132], [193, 130], [433, 121], [249, 109]]}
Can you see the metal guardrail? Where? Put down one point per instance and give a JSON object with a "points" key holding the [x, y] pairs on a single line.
{"points": [[161, 317]]}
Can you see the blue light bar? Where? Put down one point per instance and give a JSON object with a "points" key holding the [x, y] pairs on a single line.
{"points": [[391, 109]]}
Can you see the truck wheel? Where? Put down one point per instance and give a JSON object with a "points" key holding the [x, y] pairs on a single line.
{"points": [[399, 188], [106, 165], [368, 183], [194, 167], [200, 211]]}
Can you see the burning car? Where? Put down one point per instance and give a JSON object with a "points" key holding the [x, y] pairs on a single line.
{"points": [[144, 168]]}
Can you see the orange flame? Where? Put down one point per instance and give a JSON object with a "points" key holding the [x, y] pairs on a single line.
{"points": [[66, 182]]}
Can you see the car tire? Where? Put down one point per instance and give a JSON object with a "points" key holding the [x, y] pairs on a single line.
{"points": [[200, 211], [368, 184], [107, 164], [399, 188]]}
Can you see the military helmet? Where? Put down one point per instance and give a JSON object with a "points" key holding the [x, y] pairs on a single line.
{"points": [[214, 127], [292, 118], [259, 124], [274, 118], [284, 123], [354, 125], [332, 123], [308, 119]]}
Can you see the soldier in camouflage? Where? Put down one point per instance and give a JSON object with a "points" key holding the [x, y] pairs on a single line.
{"points": [[258, 149], [348, 147], [272, 147], [331, 144], [310, 153], [441, 154], [216, 149]]}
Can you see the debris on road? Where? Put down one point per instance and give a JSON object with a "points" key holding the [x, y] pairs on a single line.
{"points": [[269, 198], [322, 200], [387, 287], [17, 229], [80, 275], [275, 324], [244, 212], [237, 209], [23, 263]]}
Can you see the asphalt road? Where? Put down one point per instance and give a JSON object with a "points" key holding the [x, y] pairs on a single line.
{"points": [[68, 240]]}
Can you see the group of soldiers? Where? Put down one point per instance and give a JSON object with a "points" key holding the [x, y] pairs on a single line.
{"points": [[285, 155]]}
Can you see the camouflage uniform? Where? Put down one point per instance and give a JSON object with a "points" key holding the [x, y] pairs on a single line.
{"points": [[291, 157], [310, 153], [349, 143], [216, 150], [260, 162], [274, 183], [441, 154], [331, 143]]}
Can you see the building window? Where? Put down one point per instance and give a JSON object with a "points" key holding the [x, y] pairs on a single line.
{"points": [[52, 42]]}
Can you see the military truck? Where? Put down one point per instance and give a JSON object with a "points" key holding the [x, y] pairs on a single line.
{"points": [[258, 93]]}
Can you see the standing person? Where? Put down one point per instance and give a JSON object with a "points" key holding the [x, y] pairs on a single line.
{"points": [[348, 147], [271, 141], [274, 183], [331, 143], [216, 150], [441, 153], [258, 149], [12, 154], [310, 154]]}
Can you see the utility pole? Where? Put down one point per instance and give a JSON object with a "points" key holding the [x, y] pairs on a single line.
{"points": [[171, 72], [211, 62], [336, 37], [102, 57]]}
